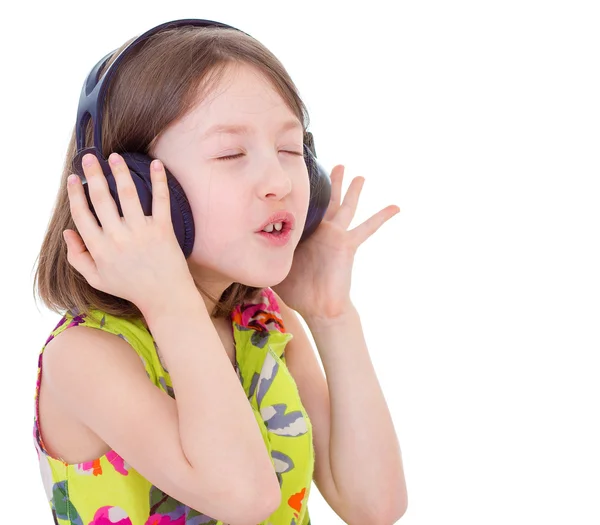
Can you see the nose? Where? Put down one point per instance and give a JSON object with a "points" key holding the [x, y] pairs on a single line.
{"points": [[275, 182]]}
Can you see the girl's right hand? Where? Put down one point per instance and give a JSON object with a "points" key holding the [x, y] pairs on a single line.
{"points": [[136, 257]]}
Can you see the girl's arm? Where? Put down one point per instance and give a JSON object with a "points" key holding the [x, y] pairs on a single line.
{"points": [[358, 464]]}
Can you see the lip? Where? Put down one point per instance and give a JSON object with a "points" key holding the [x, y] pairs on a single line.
{"points": [[288, 219]]}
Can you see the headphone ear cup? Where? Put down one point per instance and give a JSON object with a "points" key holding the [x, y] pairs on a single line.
{"points": [[320, 193], [181, 213], [139, 167]]}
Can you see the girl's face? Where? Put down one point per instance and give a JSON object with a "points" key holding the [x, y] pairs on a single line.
{"points": [[231, 198]]}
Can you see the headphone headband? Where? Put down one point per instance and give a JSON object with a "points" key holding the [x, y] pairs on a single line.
{"points": [[91, 100]]}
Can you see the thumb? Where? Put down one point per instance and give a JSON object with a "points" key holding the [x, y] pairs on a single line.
{"points": [[78, 255], [73, 241]]}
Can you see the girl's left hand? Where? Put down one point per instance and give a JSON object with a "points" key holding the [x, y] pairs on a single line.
{"points": [[318, 284]]}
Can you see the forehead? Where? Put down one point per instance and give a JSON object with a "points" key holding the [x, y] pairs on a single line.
{"points": [[240, 94], [237, 78]]}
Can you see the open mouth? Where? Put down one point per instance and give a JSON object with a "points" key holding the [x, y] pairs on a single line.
{"points": [[277, 233], [277, 228]]}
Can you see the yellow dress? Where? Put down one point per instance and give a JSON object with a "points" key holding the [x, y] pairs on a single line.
{"points": [[108, 491]]}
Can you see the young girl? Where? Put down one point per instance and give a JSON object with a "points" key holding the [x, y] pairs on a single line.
{"points": [[172, 390]]}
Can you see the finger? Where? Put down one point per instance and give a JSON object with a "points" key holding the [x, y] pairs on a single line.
{"points": [[103, 202], [337, 176], [363, 231], [79, 257], [128, 195], [80, 211], [161, 201], [345, 214]]}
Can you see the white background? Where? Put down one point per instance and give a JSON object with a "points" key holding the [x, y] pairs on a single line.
{"points": [[480, 300]]}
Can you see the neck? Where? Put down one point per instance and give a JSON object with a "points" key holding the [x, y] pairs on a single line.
{"points": [[209, 284]]}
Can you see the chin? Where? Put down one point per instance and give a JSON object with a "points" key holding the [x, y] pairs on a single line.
{"points": [[266, 282], [265, 277]]}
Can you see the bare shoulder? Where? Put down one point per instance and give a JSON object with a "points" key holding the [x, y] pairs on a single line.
{"points": [[76, 353], [68, 359]]}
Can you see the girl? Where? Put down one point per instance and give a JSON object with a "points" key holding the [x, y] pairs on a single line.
{"points": [[173, 392]]}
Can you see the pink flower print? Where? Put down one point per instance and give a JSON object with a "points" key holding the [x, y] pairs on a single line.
{"points": [[60, 323], [94, 467], [89, 467], [110, 516], [262, 316], [117, 462], [77, 320]]}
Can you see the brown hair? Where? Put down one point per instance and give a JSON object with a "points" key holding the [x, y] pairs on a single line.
{"points": [[156, 84]]}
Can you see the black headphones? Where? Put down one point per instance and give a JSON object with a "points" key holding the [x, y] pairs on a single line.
{"points": [[91, 102]]}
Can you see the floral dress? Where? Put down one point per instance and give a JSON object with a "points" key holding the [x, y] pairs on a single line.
{"points": [[107, 491]]}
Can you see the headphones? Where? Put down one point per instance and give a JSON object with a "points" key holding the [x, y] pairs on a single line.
{"points": [[91, 102]]}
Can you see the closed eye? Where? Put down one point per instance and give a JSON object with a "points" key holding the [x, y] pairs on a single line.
{"points": [[238, 155], [229, 157]]}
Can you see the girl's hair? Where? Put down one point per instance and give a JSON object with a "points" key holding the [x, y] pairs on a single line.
{"points": [[156, 84]]}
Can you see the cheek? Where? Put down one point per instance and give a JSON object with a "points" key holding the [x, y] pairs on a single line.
{"points": [[217, 218]]}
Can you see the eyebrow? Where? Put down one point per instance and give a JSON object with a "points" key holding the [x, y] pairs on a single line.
{"points": [[235, 129]]}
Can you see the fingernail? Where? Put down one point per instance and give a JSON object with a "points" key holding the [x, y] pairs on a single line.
{"points": [[156, 164], [88, 159], [71, 179], [114, 158]]}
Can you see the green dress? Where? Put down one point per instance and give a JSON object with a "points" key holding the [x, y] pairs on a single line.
{"points": [[107, 491]]}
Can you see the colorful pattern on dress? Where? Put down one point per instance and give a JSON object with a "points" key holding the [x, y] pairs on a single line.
{"points": [[286, 427], [108, 491]]}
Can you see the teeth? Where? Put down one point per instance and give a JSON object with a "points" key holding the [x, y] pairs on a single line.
{"points": [[277, 226]]}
